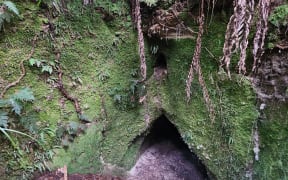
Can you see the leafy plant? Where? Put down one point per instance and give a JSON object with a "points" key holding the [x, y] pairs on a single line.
{"points": [[7, 9], [46, 66], [279, 17], [103, 75], [115, 8], [39, 149], [15, 104], [69, 131], [126, 98]]}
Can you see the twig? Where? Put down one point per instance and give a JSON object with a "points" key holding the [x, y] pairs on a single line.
{"points": [[23, 71]]}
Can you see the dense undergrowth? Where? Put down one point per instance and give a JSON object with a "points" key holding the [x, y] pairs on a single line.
{"points": [[99, 58]]}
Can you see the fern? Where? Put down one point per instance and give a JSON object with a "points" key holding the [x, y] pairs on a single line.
{"points": [[15, 101], [24, 95], [12, 7], [5, 8], [3, 119]]}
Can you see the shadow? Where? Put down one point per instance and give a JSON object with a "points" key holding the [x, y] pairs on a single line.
{"points": [[163, 154]]}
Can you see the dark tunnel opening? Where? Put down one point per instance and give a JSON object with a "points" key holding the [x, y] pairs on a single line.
{"points": [[161, 61], [164, 139]]}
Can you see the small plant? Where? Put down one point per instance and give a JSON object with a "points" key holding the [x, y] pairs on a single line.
{"points": [[103, 75], [46, 66], [15, 104], [7, 10], [126, 98], [37, 147], [279, 17], [69, 131], [117, 8]]}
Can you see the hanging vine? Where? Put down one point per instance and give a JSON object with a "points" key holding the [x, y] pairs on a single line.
{"points": [[195, 66], [236, 37], [141, 49], [261, 31]]}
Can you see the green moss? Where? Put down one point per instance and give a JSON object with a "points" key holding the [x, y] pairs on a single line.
{"points": [[273, 132], [91, 49]]}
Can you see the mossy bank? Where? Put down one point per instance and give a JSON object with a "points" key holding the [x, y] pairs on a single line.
{"points": [[100, 65]]}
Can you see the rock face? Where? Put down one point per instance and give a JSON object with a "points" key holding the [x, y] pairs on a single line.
{"points": [[271, 80], [165, 156], [165, 161]]}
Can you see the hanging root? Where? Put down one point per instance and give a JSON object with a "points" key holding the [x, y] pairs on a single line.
{"points": [[140, 40], [262, 27], [23, 71], [245, 21], [195, 66], [189, 80], [236, 37]]}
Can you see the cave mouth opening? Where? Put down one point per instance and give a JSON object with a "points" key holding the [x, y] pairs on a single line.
{"points": [[164, 153], [161, 61]]}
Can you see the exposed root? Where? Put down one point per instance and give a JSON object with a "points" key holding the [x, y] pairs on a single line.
{"points": [[22, 67], [64, 92], [195, 66], [236, 37], [262, 27], [140, 40]]}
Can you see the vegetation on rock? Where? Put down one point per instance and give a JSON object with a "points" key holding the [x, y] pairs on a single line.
{"points": [[81, 61]]}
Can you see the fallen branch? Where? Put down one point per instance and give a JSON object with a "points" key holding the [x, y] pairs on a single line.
{"points": [[23, 71]]}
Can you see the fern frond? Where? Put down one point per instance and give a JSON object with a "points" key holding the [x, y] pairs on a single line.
{"points": [[16, 106], [3, 119], [12, 7], [24, 95], [3, 103]]}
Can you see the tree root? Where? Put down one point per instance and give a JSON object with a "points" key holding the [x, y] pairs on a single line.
{"points": [[64, 92], [23, 71]]}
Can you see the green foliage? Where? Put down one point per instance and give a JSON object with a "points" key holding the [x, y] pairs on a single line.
{"points": [[15, 101], [115, 8], [46, 66], [103, 75], [7, 9], [69, 131], [279, 17], [3, 119], [38, 148], [126, 98], [11, 7]]}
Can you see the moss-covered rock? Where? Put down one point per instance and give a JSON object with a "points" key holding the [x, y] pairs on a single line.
{"points": [[100, 63]]}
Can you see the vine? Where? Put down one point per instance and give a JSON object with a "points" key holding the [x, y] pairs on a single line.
{"points": [[195, 66]]}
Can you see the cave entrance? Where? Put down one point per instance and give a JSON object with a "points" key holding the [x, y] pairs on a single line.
{"points": [[160, 67], [164, 155], [161, 61]]}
